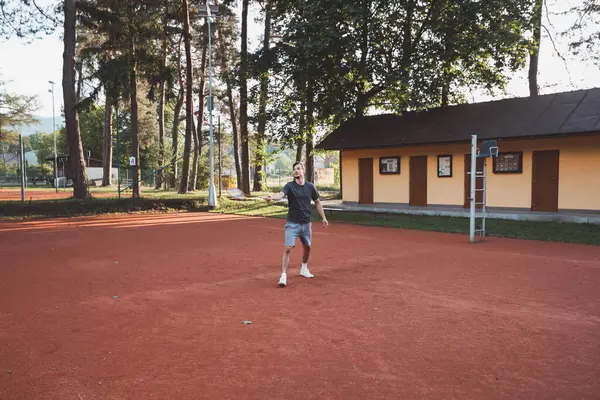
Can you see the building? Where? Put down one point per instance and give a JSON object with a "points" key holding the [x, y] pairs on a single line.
{"points": [[94, 171], [548, 161]]}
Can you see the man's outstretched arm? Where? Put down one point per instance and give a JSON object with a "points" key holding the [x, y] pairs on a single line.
{"points": [[275, 197]]}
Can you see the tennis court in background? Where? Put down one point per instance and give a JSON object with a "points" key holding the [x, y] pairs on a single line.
{"points": [[34, 194], [153, 306]]}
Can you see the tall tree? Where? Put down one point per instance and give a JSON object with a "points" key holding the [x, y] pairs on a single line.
{"points": [[177, 118], [189, 101], [264, 66], [107, 154], [310, 117], [244, 100], [161, 104], [133, 97], [76, 158], [198, 132], [534, 52], [227, 56]]}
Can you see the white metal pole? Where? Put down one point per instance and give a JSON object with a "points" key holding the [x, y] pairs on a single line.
{"points": [[54, 134], [212, 198], [473, 184], [22, 167], [484, 199]]}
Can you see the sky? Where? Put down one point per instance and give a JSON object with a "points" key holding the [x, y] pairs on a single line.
{"points": [[29, 67]]}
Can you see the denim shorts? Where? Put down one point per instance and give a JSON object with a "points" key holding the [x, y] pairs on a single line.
{"points": [[294, 230]]}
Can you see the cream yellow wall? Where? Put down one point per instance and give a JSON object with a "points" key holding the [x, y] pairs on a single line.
{"points": [[579, 180]]}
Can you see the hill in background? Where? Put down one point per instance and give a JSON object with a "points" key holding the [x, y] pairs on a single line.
{"points": [[44, 125]]}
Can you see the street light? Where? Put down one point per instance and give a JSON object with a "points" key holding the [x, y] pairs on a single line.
{"points": [[54, 131], [209, 12]]}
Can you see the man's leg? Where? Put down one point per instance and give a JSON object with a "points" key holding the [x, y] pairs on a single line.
{"points": [[284, 265], [305, 254], [291, 233], [306, 239], [286, 259]]}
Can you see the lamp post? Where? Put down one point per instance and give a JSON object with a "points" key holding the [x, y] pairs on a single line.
{"points": [[209, 12], [54, 132]]}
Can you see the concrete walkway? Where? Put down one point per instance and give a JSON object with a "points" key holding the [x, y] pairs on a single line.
{"points": [[492, 213]]}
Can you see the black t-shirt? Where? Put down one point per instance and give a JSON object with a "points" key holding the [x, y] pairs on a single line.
{"points": [[299, 201]]}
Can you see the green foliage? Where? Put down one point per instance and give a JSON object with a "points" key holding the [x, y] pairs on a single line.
{"points": [[397, 56], [27, 19], [584, 34], [91, 126], [15, 110], [43, 145]]}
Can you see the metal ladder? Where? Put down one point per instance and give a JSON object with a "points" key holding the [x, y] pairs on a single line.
{"points": [[489, 149], [482, 214]]}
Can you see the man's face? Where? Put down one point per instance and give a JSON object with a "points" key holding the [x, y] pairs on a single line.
{"points": [[298, 171]]}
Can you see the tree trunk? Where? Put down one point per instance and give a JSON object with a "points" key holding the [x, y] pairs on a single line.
{"points": [[407, 46], [361, 99], [194, 170], [161, 114], [79, 69], [135, 144], [232, 114], [301, 127], [189, 101], [244, 101], [198, 131], [107, 145], [446, 67], [534, 53], [259, 175], [177, 120], [299, 150], [76, 159], [310, 108]]}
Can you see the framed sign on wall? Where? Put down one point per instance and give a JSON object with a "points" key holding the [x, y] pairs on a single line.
{"points": [[445, 166], [508, 163], [389, 165]]}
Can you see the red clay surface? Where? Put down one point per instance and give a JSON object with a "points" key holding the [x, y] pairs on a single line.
{"points": [[43, 194], [391, 314]]}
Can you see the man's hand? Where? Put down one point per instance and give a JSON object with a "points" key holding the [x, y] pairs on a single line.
{"points": [[325, 222], [274, 197]]}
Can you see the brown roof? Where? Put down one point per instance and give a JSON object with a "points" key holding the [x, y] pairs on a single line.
{"points": [[556, 114]]}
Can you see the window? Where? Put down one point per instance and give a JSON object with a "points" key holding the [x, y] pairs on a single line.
{"points": [[508, 163], [389, 165], [444, 166]]}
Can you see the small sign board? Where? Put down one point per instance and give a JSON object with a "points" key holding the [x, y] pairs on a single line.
{"points": [[326, 176], [236, 194], [132, 161], [389, 165]]}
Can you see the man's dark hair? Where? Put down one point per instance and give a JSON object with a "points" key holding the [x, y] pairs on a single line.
{"points": [[297, 163]]}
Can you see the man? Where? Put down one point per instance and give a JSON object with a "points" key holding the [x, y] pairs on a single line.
{"points": [[298, 223]]}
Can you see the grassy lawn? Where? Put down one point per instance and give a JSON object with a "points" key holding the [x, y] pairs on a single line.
{"points": [[532, 230], [13, 210]]}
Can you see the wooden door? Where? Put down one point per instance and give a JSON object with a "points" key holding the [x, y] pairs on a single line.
{"points": [[418, 181], [478, 182], [544, 186], [365, 181]]}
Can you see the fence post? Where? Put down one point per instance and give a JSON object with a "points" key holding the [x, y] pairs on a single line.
{"points": [[22, 165]]}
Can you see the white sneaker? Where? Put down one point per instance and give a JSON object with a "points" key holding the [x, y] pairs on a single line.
{"points": [[283, 280], [306, 273]]}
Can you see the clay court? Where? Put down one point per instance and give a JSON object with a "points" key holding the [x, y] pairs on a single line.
{"points": [[43, 194], [152, 306]]}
